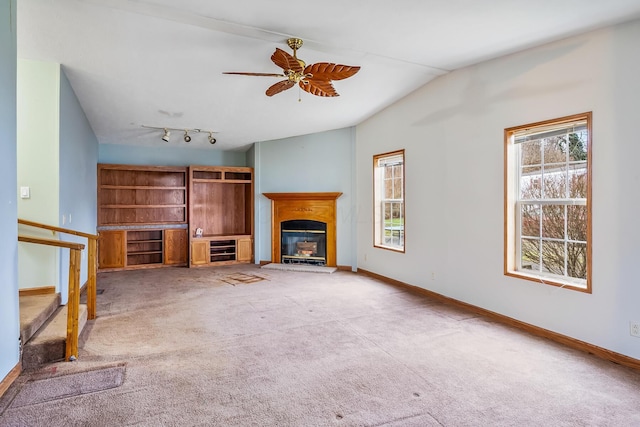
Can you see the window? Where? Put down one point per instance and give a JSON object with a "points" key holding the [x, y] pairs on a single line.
{"points": [[388, 187], [548, 202]]}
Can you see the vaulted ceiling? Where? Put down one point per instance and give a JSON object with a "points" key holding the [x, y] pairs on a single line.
{"points": [[160, 62]]}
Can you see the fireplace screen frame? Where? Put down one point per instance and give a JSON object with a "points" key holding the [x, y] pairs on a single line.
{"points": [[303, 241]]}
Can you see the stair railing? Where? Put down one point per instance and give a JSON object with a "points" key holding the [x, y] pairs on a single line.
{"points": [[73, 306], [75, 260], [92, 260]]}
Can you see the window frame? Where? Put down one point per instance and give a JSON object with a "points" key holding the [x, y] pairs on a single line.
{"points": [[513, 202], [378, 223]]}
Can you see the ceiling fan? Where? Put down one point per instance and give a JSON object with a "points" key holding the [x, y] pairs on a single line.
{"points": [[315, 78]]}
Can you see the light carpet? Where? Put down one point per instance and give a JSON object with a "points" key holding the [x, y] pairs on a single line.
{"points": [[298, 349]]}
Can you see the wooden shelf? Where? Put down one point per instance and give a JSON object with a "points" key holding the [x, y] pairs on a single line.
{"points": [[141, 206], [143, 253], [139, 187]]}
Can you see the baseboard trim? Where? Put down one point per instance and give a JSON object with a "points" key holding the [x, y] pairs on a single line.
{"points": [[600, 352], [10, 378], [37, 291], [264, 262]]}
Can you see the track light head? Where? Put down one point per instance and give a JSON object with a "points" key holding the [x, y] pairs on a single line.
{"points": [[166, 135], [212, 140], [187, 138]]}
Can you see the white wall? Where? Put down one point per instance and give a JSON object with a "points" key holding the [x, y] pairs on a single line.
{"points": [[320, 162], [452, 130], [168, 155], [38, 160], [9, 317], [78, 178]]}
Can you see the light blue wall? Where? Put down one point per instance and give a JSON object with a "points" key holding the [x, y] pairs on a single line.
{"points": [[168, 156], [320, 162], [78, 175], [9, 318]]}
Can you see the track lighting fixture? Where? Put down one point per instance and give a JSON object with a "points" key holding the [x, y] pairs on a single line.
{"points": [[166, 135], [187, 138]]}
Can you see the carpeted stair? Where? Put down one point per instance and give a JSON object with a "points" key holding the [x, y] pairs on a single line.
{"points": [[45, 329], [35, 310]]}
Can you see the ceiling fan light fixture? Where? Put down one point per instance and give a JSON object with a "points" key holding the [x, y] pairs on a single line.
{"points": [[315, 79], [212, 140], [166, 135], [187, 138]]}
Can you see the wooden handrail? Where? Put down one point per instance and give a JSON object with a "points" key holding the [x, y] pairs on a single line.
{"points": [[73, 306], [58, 229], [50, 242]]}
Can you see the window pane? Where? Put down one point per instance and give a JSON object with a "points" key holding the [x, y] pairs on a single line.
{"points": [[577, 223], [530, 254], [554, 151], [387, 214], [577, 260], [530, 153], [577, 146], [530, 220], [553, 221], [530, 183], [578, 181], [555, 183], [553, 257], [388, 189]]}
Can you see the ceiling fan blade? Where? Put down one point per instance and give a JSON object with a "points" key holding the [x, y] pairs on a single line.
{"points": [[329, 71], [279, 87], [318, 87], [254, 74], [285, 61]]}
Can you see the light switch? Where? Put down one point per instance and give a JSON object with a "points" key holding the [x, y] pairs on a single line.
{"points": [[25, 193]]}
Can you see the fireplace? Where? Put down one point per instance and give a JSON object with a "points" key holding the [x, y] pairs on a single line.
{"points": [[303, 242], [303, 228]]}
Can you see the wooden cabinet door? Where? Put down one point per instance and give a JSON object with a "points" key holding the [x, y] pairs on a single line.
{"points": [[175, 246], [111, 249], [243, 250], [200, 252]]}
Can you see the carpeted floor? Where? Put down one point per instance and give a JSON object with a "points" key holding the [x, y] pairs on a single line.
{"points": [[244, 346]]}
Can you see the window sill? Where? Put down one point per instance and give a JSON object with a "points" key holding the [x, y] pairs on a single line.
{"points": [[389, 248], [551, 281]]}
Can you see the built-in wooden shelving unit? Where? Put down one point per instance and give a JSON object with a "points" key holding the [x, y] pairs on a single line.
{"points": [[222, 207], [142, 216]]}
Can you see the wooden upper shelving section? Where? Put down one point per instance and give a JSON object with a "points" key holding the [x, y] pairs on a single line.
{"points": [[135, 195]]}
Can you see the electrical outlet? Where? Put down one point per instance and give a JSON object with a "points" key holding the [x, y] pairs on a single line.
{"points": [[634, 328], [433, 275]]}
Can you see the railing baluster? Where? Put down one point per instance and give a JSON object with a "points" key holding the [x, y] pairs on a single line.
{"points": [[73, 305], [92, 266]]}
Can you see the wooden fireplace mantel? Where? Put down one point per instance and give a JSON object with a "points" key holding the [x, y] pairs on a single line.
{"points": [[304, 206]]}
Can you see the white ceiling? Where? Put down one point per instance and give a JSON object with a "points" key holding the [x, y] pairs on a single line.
{"points": [[160, 62]]}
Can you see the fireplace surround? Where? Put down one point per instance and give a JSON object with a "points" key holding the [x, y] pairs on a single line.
{"points": [[298, 208]]}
